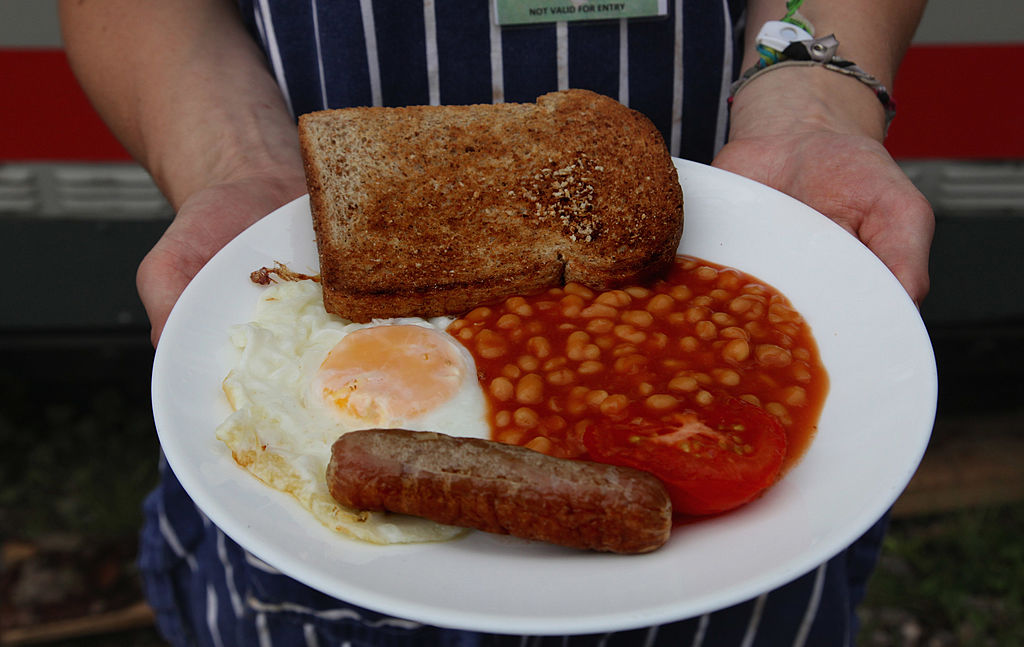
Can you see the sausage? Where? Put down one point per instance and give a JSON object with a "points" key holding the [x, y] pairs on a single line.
{"points": [[500, 488]]}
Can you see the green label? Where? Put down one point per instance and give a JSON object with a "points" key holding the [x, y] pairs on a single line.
{"points": [[520, 12]]}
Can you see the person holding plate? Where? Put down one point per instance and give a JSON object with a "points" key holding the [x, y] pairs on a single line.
{"points": [[205, 94]]}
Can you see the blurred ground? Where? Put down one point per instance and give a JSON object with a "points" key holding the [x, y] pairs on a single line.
{"points": [[949, 580], [79, 454]]}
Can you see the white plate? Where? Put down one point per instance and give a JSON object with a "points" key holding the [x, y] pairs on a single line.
{"points": [[873, 431]]}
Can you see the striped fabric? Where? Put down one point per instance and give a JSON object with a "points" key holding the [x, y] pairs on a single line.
{"points": [[331, 54], [207, 590]]}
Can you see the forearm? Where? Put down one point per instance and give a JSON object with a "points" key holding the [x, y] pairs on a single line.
{"points": [[184, 87], [872, 33]]}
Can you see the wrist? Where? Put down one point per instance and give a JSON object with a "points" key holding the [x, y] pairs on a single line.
{"points": [[794, 100], [225, 146]]}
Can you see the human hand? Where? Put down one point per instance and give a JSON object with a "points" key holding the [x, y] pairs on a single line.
{"points": [[837, 166], [205, 222], [187, 91]]}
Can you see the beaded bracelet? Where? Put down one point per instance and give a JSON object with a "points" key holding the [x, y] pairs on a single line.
{"points": [[817, 52]]}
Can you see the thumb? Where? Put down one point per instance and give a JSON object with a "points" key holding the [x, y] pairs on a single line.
{"points": [[160, 281]]}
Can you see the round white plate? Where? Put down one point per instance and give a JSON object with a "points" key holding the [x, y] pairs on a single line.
{"points": [[873, 431]]}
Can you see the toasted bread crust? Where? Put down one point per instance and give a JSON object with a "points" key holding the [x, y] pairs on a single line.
{"points": [[424, 211]]}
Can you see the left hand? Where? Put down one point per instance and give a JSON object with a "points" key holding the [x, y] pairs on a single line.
{"points": [[206, 221], [826, 155]]}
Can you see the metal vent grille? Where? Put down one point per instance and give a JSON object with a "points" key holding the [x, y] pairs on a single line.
{"points": [[19, 192], [90, 191], [126, 191], [970, 188]]}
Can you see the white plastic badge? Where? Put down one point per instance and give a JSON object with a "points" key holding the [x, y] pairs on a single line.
{"points": [[524, 12], [778, 34]]}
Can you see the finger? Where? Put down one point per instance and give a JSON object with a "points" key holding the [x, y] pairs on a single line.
{"points": [[160, 281]]}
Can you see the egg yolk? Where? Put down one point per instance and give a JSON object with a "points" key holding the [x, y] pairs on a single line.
{"points": [[386, 374]]}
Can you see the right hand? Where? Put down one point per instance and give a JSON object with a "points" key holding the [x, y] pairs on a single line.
{"points": [[817, 136], [206, 221]]}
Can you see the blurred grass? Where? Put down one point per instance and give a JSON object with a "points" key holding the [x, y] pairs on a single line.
{"points": [[950, 579], [78, 458], [79, 454]]}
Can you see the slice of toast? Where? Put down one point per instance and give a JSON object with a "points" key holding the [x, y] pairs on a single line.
{"points": [[433, 210]]}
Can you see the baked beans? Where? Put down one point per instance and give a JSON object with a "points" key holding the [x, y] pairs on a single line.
{"points": [[556, 362]]}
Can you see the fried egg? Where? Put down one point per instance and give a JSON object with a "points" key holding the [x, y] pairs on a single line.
{"points": [[304, 377]]}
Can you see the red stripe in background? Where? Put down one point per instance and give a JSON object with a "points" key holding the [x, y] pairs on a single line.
{"points": [[46, 116], [959, 102], [954, 101]]}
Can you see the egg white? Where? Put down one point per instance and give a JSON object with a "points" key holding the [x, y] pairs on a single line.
{"points": [[281, 430]]}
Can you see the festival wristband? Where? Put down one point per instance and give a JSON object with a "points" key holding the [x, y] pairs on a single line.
{"points": [[783, 45]]}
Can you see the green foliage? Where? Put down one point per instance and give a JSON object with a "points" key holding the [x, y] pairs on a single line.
{"points": [[76, 459], [957, 579]]}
